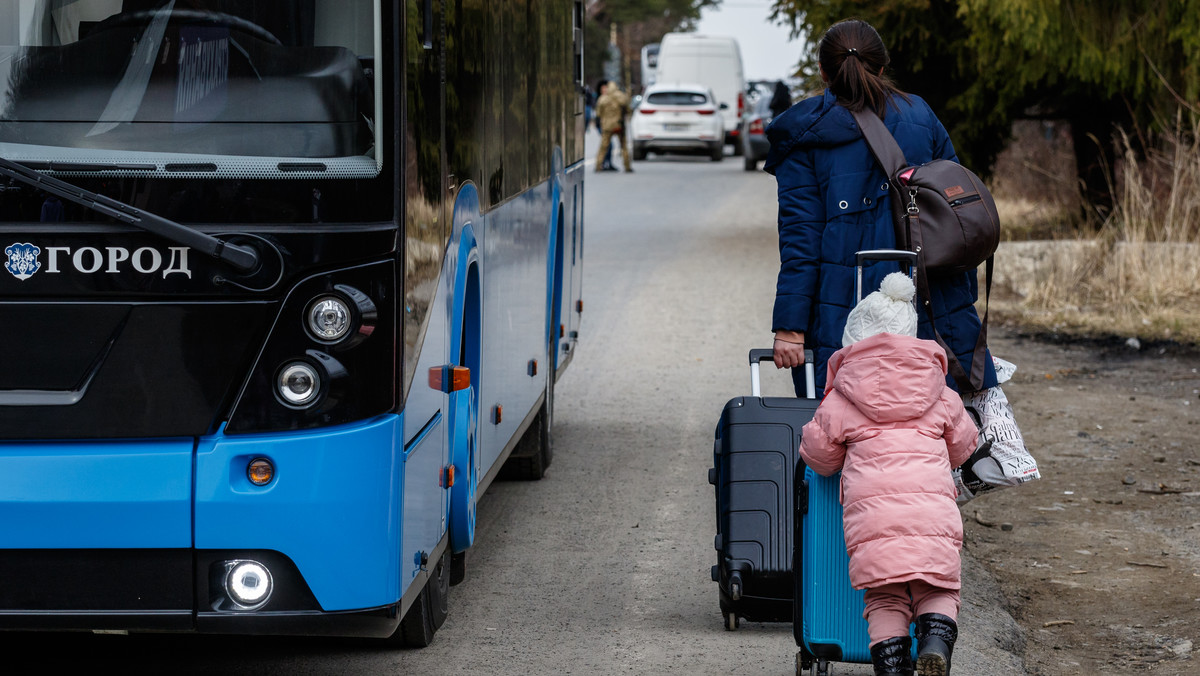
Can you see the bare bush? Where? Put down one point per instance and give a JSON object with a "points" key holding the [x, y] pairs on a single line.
{"points": [[1141, 274]]}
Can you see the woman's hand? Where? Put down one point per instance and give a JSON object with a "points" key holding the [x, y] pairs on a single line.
{"points": [[789, 349]]}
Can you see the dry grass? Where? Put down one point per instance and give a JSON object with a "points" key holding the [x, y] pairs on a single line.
{"points": [[1034, 182], [1139, 274]]}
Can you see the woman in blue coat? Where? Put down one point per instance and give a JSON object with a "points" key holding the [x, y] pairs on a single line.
{"points": [[834, 202]]}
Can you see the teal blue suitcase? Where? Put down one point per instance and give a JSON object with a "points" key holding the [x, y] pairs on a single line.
{"points": [[827, 613]]}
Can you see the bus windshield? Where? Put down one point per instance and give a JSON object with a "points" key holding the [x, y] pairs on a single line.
{"points": [[199, 88]]}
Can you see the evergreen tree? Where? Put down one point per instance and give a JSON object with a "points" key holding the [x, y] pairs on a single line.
{"points": [[983, 63], [931, 57]]}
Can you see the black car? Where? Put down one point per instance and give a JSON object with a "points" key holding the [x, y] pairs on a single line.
{"points": [[754, 125]]}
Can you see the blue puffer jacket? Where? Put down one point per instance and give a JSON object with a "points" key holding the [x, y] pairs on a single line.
{"points": [[833, 202]]}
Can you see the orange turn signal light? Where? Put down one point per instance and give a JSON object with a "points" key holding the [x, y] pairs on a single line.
{"points": [[449, 378]]}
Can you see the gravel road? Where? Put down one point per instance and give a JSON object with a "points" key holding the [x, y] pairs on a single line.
{"points": [[603, 566]]}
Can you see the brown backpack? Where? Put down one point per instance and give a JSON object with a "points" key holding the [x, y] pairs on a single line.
{"points": [[943, 212]]}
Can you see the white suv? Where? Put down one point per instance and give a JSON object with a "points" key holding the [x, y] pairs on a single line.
{"points": [[678, 119]]}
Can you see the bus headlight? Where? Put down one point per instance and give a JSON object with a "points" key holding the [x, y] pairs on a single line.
{"points": [[248, 583], [329, 319], [298, 384]]}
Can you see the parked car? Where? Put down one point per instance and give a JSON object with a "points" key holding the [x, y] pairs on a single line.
{"points": [[754, 131], [713, 62], [678, 119]]}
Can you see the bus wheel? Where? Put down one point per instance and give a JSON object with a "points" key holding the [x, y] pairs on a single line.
{"points": [[458, 568], [535, 450], [429, 612]]}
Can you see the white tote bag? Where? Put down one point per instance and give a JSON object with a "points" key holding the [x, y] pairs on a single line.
{"points": [[1001, 458]]}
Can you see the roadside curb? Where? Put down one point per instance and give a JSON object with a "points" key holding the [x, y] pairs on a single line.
{"points": [[989, 639]]}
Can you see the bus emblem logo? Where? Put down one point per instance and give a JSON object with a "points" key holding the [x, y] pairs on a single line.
{"points": [[22, 260]]}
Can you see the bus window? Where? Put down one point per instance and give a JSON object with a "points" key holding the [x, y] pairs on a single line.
{"points": [[229, 89]]}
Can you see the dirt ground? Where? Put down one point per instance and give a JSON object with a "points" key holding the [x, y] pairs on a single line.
{"points": [[1100, 559]]}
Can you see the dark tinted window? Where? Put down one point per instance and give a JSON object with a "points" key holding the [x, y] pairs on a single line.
{"points": [[677, 99], [240, 111]]}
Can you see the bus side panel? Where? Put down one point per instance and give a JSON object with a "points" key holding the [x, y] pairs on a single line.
{"points": [[425, 500], [425, 443], [112, 495], [514, 315], [572, 262], [333, 508]]}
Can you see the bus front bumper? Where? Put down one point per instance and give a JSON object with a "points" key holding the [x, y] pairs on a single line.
{"points": [[143, 535]]}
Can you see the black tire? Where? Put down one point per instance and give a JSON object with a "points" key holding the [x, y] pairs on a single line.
{"points": [[737, 148], [639, 152], [439, 585], [458, 568], [749, 163], [429, 612], [717, 153], [532, 456]]}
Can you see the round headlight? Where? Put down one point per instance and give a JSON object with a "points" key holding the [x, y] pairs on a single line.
{"points": [[329, 318], [298, 384], [248, 583]]}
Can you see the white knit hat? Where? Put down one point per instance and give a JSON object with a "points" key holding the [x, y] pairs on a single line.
{"points": [[888, 310]]}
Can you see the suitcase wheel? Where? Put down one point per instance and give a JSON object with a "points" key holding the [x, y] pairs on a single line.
{"points": [[731, 621], [735, 586], [804, 663]]}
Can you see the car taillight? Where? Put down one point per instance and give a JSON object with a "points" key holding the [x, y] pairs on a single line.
{"points": [[741, 104], [646, 111], [706, 112], [756, 127]]}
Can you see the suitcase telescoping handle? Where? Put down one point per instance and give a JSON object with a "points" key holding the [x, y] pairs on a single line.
{"points": [[758, 355], [898, 255]]}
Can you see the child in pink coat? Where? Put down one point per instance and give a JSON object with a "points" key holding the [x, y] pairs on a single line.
{"points": [[895, 430]]}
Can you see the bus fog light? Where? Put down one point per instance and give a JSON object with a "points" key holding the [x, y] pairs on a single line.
{"points": [[329, 319], [260, 471], [298, 384], [248, 583]]}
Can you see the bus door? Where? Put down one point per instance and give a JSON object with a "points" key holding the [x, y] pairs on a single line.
{"points": [[426, 231]]}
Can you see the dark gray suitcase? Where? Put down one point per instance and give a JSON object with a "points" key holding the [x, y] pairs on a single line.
{"points": [[755, 455]]}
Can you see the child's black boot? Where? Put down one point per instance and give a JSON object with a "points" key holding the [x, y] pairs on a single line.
{"points": [[936, 635], [893, 657]]}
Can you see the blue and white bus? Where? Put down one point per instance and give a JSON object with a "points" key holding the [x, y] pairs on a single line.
{"points": [[287, 285]]}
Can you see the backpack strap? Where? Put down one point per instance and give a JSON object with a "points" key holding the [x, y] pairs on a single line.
{"points": [[887, 153], [974, 381], [890, 158], [882, 144]]}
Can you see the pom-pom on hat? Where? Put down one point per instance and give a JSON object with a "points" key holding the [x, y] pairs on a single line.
{"points": [[888, 310]]}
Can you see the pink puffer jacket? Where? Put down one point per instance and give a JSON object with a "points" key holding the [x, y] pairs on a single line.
{"points": [[891, 425]]}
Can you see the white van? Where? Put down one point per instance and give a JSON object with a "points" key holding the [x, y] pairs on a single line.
{"points": [[649, 64], [712, 61]]}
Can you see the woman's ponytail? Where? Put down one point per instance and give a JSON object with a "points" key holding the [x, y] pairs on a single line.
{"points": [[853, 57]]}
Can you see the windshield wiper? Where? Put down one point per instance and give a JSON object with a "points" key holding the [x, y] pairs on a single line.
{"points": [[244, 259]]}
